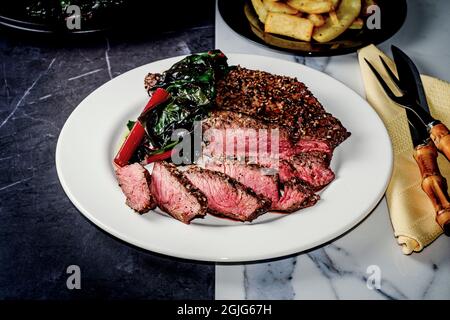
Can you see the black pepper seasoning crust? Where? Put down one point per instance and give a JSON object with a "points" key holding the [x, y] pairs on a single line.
{"points": [[150, 80], [305, 188], [281, 100]]}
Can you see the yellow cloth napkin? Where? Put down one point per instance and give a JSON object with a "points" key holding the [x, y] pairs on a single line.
{"points": [[412, 214]]}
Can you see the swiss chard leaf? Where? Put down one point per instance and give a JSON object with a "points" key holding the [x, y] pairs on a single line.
{"points": [[191, 83]]}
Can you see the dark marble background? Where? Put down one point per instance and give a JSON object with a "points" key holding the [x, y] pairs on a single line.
{"points": [[41, 233]]}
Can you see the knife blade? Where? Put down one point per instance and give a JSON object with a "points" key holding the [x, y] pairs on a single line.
{"points": [[419, 133]]}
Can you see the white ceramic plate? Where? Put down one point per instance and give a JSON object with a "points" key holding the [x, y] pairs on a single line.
{"points": [[93, 133]]}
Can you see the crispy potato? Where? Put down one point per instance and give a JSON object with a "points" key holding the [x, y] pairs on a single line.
{"points": [[311, 6], [347, 12], [333, 16], [358, 23], [289, 25], [278, 7], [260, 10], [316, 19], [280, 42], [335, 3]]}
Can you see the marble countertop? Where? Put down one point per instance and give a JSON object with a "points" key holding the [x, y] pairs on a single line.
{"points": [[41, 232], [344, 269]]}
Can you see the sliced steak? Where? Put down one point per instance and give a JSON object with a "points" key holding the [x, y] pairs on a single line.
{"points": [[311, 167], [281, 100], [226, 196], [175, 194], [134, 180], [286, 171], [308, 145], [232, 134], [296, 195], [238, 135], [252, 176]]}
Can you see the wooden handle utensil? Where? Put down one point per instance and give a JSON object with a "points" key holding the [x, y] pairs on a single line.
{"points": [[441, 138], [433, 183]]}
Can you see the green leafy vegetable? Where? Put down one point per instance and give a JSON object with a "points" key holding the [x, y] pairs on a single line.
{"points": [[166, 148], [191, 84]]}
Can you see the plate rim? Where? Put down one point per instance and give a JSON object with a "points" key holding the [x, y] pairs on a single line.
{"points": [[195, 257]]}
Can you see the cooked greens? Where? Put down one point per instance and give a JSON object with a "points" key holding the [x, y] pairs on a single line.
{"points": [[191, 84]]}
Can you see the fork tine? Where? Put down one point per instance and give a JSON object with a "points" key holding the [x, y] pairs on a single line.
{"points": [[382, 82], [390, 73]]}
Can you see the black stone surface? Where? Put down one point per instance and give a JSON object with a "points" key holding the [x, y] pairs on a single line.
{"points": [[41, 232]]}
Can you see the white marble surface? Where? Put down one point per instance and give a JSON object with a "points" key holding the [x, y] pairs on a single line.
{"points": [[339, 270]]}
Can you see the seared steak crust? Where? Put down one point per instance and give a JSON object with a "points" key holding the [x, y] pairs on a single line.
{"points": [[226, 196], [175, 194], [226, 119], [281, 100], [313, 168], [150, 80], [296, 195]]}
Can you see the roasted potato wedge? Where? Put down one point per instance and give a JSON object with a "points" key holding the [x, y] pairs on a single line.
{"points": [[289, 25], [311, 6], [278, 41], [260, 10], [358, 24], [278, 7], [333, 16], [317, 19], [347, 12], [335, 4]]}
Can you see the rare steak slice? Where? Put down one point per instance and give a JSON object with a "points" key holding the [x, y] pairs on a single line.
{"points": [[226, 196], [175, 194], [232, 134], [310, 167], [296, 195], [252, 176], [134, 180], [313, 167], [281, 100]]}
